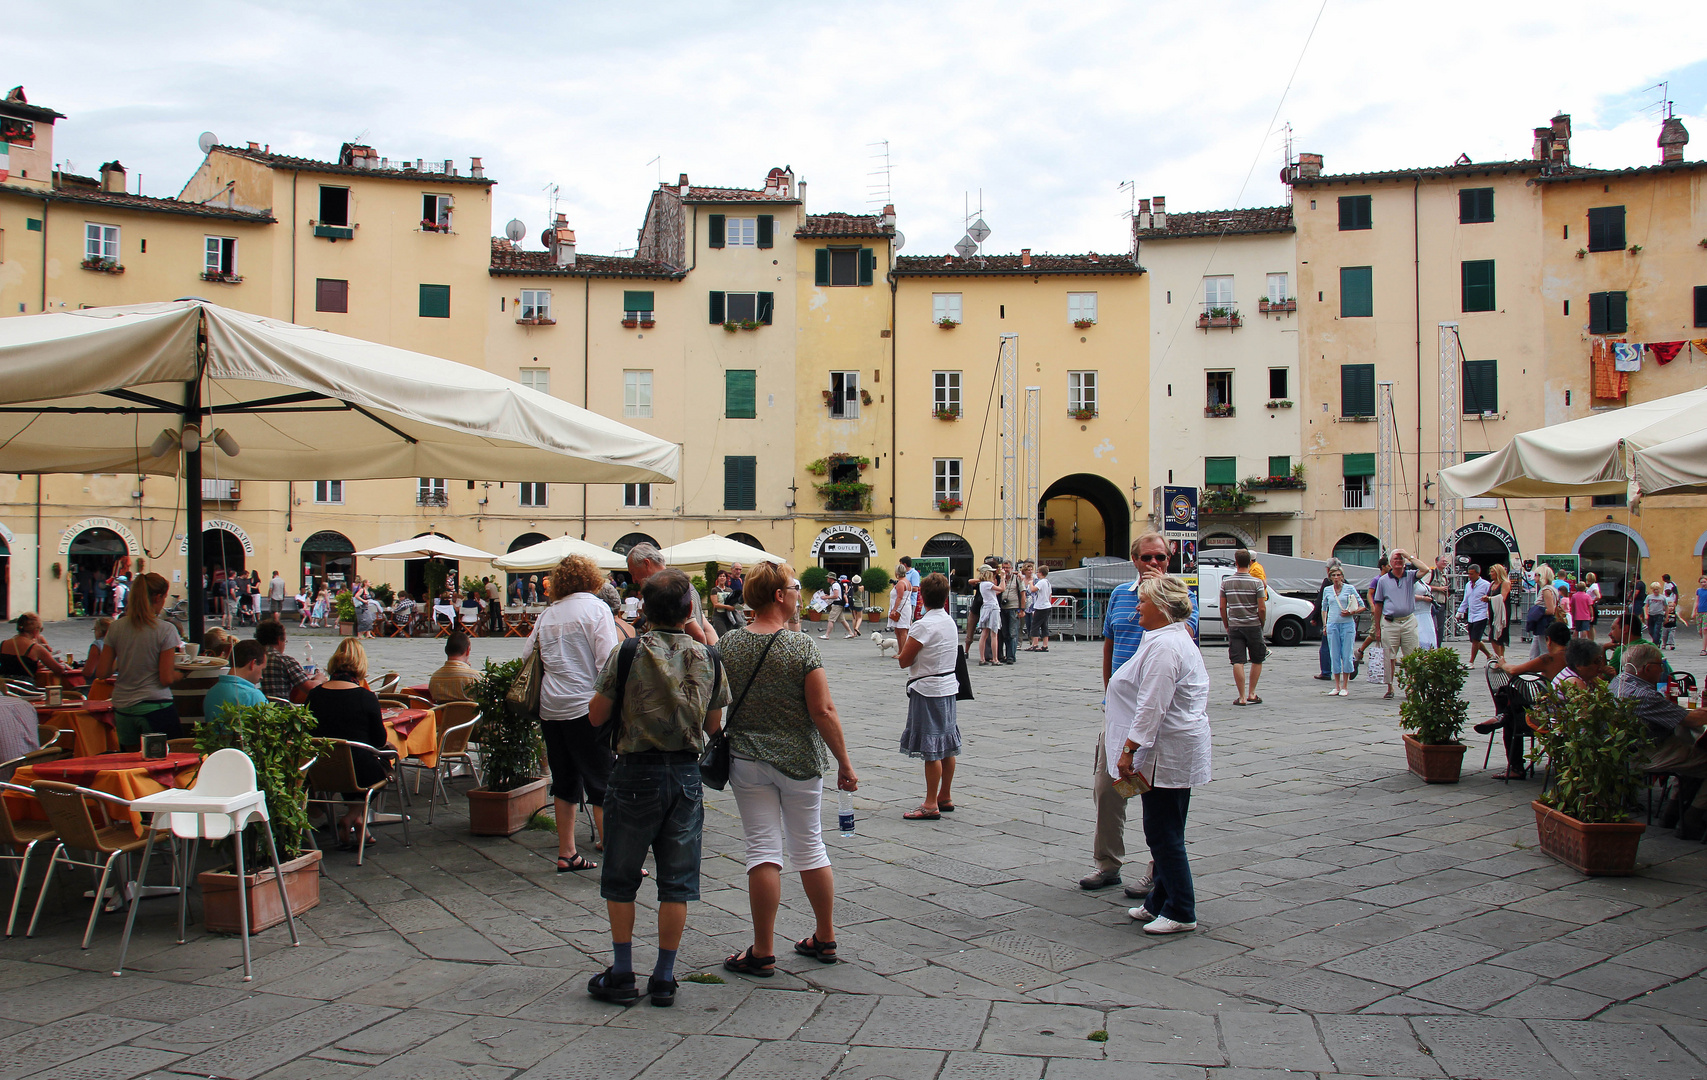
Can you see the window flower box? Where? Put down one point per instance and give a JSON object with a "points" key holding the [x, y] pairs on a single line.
{"points": [[647, 324], [1219, 317], [732, 327], [1266, 306], [630, 324], [1084, 324], [1274, 483], [946, 323], [536, 322], [103, 266], [1225, 501], [948, 506], [845, 496], [215, 275], [1219, 410], [750, 324], [434, 227], [947, 413], [1083, 414], [824, 464], [1280, 404]]}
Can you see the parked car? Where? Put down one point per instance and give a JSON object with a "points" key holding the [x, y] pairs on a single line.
{"points": [[1288, 616]]}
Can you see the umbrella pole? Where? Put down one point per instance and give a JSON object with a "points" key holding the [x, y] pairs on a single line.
{"points": [[193, 514]]}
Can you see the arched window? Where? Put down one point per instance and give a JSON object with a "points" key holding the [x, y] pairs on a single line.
{"points": [[328, 558], [1358, 549], [527, 540], [621, 546], [747, 538], [954, 548]]}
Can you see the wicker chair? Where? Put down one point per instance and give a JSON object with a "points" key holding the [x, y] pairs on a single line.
{"points": [[68, 812], [334, 774]]}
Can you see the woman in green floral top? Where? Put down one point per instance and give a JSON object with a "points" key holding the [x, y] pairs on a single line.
{"points": [[781, 740]]}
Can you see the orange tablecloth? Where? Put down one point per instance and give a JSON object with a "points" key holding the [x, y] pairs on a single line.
{"points": [[424, 690], [125, 776], [413, 733], [92, 720]]}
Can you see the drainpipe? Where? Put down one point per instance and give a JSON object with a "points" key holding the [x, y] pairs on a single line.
{"points": [[894, 334], [44, 206], [586, 372], [293, 231], [38, 495], [1416, 284]]}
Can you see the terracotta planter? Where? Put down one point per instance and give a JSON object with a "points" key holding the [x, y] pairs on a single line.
{"points": [[1596, 850], [219, 895], [1437, 764], [345, 629], [874, 616], [505, 813]]}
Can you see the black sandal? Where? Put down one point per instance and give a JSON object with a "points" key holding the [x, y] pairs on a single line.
{"points": [[745, 963], [576, 861], [822, 951]]}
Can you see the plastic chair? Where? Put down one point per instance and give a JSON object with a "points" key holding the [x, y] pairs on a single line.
{"points": [[336, 773], [224, 799], [456, 725], [68, 813], [16, 834]]}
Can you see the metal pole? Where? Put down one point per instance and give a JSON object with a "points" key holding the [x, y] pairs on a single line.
{"points": [[193, 509], [1384, 421], [1010, 446], [1450, 407], [1033, 468]]}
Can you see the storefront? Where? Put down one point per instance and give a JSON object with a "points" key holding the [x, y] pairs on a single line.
{"points": [[842, 549]]}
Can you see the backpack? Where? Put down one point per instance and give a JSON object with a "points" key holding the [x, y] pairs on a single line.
{"points": [[619, 685]]}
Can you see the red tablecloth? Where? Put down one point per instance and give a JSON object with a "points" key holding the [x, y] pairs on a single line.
{"points": [[81, 770], [124, 775], [100, 708], [97, 732]]}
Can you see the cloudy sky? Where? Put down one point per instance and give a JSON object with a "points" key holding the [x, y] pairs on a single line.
{"points": [[1047, 108]]}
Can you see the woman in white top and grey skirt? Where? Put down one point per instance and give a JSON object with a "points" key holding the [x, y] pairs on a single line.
{"points": [[930, 655]]}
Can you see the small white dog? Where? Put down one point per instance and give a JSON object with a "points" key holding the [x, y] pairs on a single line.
{"points": [[886, 646]]}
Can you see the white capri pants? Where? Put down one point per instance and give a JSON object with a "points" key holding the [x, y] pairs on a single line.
{"points": [[774, 806]]}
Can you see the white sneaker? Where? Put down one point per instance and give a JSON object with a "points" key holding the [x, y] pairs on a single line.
{"points": [[1345, 693], [1330, 693], [1165, 925], [1139, 914]]}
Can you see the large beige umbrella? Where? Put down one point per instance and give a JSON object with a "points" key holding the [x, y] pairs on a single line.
{"points": [[548, 553], [1676, 467], [715, 548], [427, 546]]}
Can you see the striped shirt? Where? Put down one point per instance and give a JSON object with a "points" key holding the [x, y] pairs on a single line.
{"points": [[1120, 623]]}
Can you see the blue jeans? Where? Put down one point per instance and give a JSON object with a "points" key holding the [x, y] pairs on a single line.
{"points": [[1007, 638], [1164, 831], [1342, 638], [653, 802], [1323, 656]]}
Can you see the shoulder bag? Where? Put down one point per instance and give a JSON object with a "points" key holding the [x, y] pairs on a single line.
{"points": [[714, 763], [962, 678], [523, 696]]}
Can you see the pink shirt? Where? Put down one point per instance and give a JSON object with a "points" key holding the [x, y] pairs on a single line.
{"points": [[1582, 606]]}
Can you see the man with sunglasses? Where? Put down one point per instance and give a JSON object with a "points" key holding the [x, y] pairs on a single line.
{"points": [[1121, 635]]}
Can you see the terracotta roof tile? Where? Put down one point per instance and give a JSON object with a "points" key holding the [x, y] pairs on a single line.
{"points": [[145, 204], [1436, 172], [833, 225], [1617, 174], [285, 161], [732, 195], [509, 260], [1260, 219], [954, 266]]}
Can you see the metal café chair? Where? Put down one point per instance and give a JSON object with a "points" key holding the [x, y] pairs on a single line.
{"points": [[68, 812], [388, 683], [457, 720], [19, 834], [335, 774]]}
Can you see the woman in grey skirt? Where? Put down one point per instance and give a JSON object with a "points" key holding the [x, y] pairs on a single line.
{"points": [[931, 732]]}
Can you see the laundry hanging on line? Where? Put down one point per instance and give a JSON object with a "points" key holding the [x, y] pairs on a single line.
{"points": [[1666, 351], [1627, 356], [1609, 384]]}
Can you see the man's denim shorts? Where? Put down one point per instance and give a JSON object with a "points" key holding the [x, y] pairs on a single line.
{"points": [[653, 801]]}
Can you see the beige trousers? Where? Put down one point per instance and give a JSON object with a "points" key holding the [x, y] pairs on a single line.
{"points": [[1108, 849]]}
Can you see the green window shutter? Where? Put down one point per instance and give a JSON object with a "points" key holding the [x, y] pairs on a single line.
{"points": [[1280, 465], [767, 230], [1357, 389], [740, 394], [767, 307], [32, 224], [1481, 386], [1617, 318], [1475, 205], [1606, 228], [1220, 470], [740, 491], [867, 265], [1358, 465], [1357, 292], [716, 307], [435, 301], [821, 266], [633, 300], [1597, 313], [715, 239], [1355, 212], [1478, 285]]}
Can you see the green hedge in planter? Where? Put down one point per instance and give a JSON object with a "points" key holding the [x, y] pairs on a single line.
{"points": [[510, 746], [278, 739], [1591, 736], [1434, 709], [814, 578]]}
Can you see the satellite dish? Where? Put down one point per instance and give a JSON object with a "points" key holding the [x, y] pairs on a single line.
{"points": [[979, 231], [966, 246], [900, 239], [547, 238], [516, 230], [207, 141]]}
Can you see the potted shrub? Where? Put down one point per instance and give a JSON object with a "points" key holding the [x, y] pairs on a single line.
{"points": [[345, 604], [813, 578], [1591, 738], [1434, 708], [1084, 324], [731, 327], [874, 580], [510, 749], [947, 412], [948, 506], [385, 594], [277, 738]]}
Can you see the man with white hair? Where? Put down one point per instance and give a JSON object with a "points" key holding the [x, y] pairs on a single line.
{"points": [[1393, 604], [644, 560]]}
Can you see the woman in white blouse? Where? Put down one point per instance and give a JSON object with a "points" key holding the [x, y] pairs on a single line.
{"points": [[1158, 729]]}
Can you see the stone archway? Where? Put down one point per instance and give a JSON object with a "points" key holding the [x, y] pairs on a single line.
{"points": [[1111, 505]]}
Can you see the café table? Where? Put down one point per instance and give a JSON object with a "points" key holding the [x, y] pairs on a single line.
{"points": [[413, 733], [93, 721], [129, 776], [424, 690]]}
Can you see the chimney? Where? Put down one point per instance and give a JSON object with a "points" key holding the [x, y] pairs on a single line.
{"points": [[1025, 256], [682, 185], [1141, 220], [802, 196], [1159, 214], [889, 215], [254, 146], [476, 169], [112, 177], [1309, 166], [563, 241], [1673, 138], [1561, 147]]}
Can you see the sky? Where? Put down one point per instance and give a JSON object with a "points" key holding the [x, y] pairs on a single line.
{"points": [[1042, 111]]}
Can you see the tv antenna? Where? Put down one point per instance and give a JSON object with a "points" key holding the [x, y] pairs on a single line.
{"points": [[551, 191], [361, 135], [878, 190], [976, 232], [659, 161], [1664, 104], [1130, 189]]}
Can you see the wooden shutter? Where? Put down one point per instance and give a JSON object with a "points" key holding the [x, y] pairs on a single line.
{"points": [[767, 230], [1477, 277], [1701, 305], [867, 265], [1481, 386], [821, 266], [435, 301], [633, 300], [1220, 470], [715, 237], [1475, 205], [331, 294], [739, 487], [1357, 389], [740, 394], [767, 307], [716, 307], [1606, 228], [1597, 313], [1354, 212], [1357, 292], [1358, 465], [1617, 321]]}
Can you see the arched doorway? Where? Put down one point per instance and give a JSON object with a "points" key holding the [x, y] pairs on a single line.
{"points": [[1358, 549], [958, 552], [328, 558], [1613, 554], [91, 558], [633, 539], [1083, 515], [843, 553], [747, 538], [525, 540]]}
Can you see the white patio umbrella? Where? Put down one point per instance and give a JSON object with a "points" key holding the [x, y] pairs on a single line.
{"points": [[548, 553], [1676, 467], [715, 548], [430, 546]]}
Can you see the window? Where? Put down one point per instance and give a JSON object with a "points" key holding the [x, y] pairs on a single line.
{"points": [[536, 304], [639, 495], [1606, 313], [533, 494], [1218, 387], [1355, 212], [1280, 465], [724, 231], [1701, 305], [331, 294], [1606, 228], [101, 242], [636, 306], [1081, 307], [637, 394], [1081, 391], [1218, 293], [221, 256], [742, 232], [334, 206], [1358, 471], [948, 478], [740, 394], [740, 488], [1357, 389], [844, 395], [1277, 380], [1357, 292], [535, 378], [1280, 545], [1475, 205], [1277, 289], [431, 492], [1220, 471], [1610, 500], [843, 266], [945, 392], [739, 307], [435, 213], [945, 305], [329, 492], [1481, 386], [435, 301], [1478, 280]]}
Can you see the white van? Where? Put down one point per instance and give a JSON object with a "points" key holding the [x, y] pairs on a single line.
{"points": [[1287, 615]]}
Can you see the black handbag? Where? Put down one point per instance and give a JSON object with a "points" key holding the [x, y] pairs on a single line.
{"points": [[714, 762], [962, 678]]}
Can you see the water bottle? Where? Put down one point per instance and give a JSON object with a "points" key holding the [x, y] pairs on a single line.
{"points": [[844, 812], [308, 664]]}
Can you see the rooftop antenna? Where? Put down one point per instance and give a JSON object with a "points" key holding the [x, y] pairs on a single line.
{"points": [[1286, 165], [550, 204], [659, 161], [207, 141], [362, 135], [976, 232], [1130, 187], [878, 191], [1664, 104]]}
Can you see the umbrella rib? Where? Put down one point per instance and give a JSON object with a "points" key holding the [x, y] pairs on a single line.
{"points": [[144, 399], [401, 435]]}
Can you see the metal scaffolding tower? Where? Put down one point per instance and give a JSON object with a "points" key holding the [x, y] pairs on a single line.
{"points": [[1384, 421], [1033, 469], [1450, 408], [1010, 492]]}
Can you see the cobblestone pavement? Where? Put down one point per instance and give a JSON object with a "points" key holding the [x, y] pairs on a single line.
{"points": [[1354, 921]]}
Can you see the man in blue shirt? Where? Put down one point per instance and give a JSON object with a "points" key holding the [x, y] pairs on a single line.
{"points": [[241, 686], [1474, 608]]}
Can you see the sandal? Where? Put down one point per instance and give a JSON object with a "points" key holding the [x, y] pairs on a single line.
{"points": [[576, 861], [745, 963], [1253, 701], [944, 807], [822, 951], [921, 814]]}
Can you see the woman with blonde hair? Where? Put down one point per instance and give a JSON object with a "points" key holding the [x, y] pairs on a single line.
{"points": [[1499, 610], [142, 650], [1548, 597], [24, 656], [345, 709], [989, 617]]}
